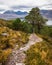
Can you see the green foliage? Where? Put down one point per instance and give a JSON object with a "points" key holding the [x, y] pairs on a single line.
{"points": [[26, 27], [16, 24], [47, 31], [35, 19], [22, 26]]}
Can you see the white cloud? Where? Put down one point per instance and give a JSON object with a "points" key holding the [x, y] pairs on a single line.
{"points": [[7, 4], [24, 2], [4, 7]]}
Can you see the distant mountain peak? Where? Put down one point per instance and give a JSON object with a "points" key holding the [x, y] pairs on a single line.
{"points": [[9, 12], [17, 12], [21, 13], [47, 13]]}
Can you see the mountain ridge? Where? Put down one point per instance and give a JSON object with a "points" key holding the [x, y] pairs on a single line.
{"points": [[47, 13], [13, 12], [10, 14]]}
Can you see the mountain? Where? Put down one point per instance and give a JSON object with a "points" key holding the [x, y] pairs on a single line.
{"points": [[47, 13], [21, 13], [10, 14], [17, 13]]}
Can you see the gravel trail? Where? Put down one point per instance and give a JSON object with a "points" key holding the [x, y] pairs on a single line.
{"points": [[18, 56]]}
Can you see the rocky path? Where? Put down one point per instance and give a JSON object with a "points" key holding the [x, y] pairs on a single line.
{"points": [[17, 57]]}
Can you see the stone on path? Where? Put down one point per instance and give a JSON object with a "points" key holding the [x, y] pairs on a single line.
{"points": [[20, 64]]}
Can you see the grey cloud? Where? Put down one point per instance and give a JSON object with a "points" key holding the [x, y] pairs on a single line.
{"points": [[20, 7], [45, 5], [1, 3], [2, 9]]}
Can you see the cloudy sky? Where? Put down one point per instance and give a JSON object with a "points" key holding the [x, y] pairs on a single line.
{"points": [[24, 5]]}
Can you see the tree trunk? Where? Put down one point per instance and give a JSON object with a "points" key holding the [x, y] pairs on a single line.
{"points": [[33, 27], [39, 27]]}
